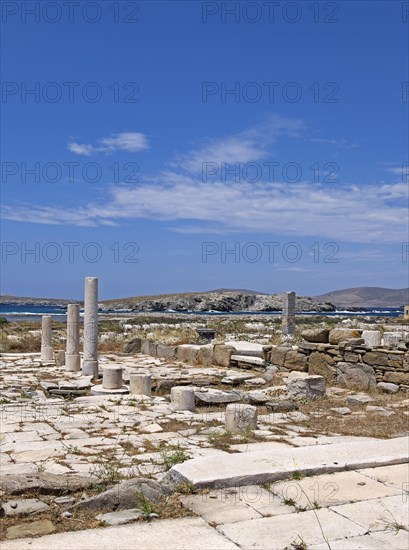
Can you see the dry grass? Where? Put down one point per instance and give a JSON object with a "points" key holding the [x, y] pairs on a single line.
{"points": [[169, 507], [175, 426], [373, 424]]}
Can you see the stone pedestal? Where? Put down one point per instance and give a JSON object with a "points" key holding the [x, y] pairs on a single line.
{"points": [[392, 339], [372, 338], [72, 355], [47, 352], [240, 417], [182, 398], [59, 358], [112, 378], [308, 387], [288, 313], [140, 384], [90, 357]]}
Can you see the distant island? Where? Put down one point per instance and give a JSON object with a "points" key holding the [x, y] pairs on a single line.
{"points": [[367, 296], [235, 300]]}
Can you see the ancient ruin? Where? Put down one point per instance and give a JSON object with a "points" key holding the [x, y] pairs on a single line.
{"points": [[222, 418]]}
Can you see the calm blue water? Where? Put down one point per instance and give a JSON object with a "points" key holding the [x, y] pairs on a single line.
{"points": [[33, 313]]}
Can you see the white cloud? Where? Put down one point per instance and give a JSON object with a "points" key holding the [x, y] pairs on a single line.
{"points": [[248, 146], [179, 197], [402, 171], [348, 213], [131, 142]]}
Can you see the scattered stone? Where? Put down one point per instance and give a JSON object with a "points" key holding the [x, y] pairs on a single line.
{"points": [[388, 387], [124, 496], [182, 398], [269, 373], [24, 506], [374, 408], [66, 514], [356, 375], [256, 397], [217, 396], [318, 335], [359, 399], [35, 528], [119, 518], [255, 381], [47, 385], [241, 417], [235, 378], [42, 483], [341, 410], [61, 501], [312, 387], [282, 406], [248, 361]]}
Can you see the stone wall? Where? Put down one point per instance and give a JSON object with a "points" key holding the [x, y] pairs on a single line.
{"points": [[342, 363], [349, 363]]}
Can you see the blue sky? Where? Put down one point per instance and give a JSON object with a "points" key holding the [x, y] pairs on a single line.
{"points": [[173, 146]]}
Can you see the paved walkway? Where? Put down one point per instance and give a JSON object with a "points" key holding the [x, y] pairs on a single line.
{"points": [[366, 509]]}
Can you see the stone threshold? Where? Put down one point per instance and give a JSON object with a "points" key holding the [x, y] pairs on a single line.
{"points": [[231, 470]]}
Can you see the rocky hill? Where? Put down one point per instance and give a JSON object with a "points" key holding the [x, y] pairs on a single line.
{"points": [[7, 299], [213, 301], [367, 296]]}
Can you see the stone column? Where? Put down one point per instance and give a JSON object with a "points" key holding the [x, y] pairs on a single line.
{"points": [[90, 357], [182, 398], [112, 378], [72, 356], [241, 417], [47, 353], [288, 314], [59, 356], [140, 384], [406, 313]]}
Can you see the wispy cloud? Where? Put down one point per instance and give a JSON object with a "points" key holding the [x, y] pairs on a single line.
{"points": [[180, 198], [402, 171], [248, 146], [131, 142]]}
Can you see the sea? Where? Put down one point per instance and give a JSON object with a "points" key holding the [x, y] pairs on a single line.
{"points": [[23, 312]]}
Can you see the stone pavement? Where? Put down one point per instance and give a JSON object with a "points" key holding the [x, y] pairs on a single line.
{"points": [[367, 509], [86, 435]]}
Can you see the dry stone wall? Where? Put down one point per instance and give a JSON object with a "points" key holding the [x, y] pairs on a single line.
{"points": [[350, 363]]}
